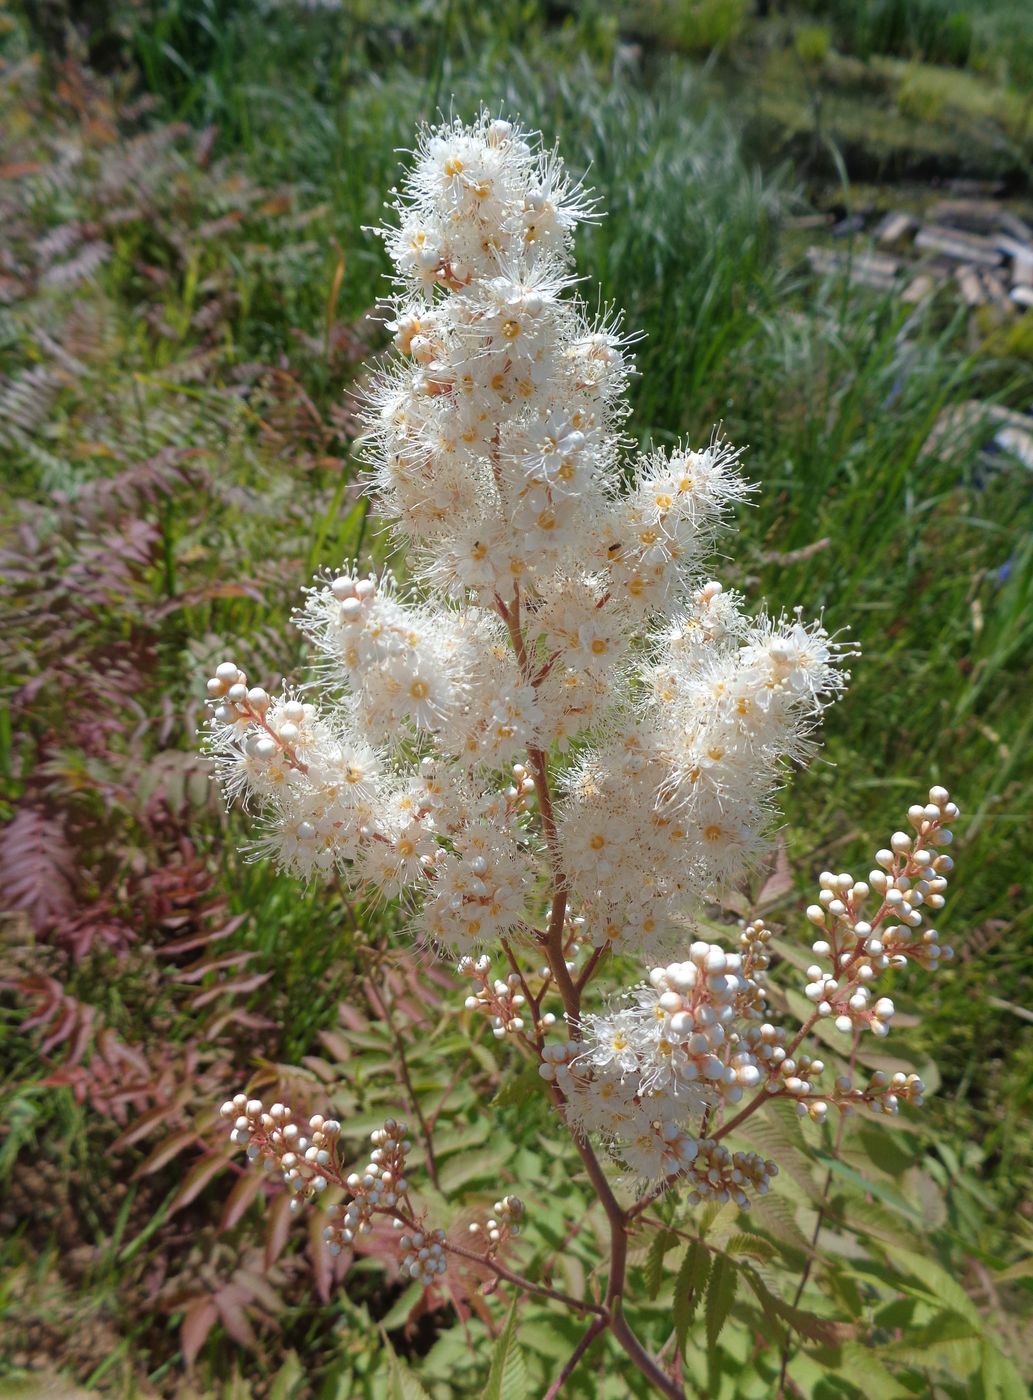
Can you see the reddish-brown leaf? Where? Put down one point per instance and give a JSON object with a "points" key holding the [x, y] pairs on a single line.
{"points": [[234, 1318], [239, 985], [780, 879], [198, 940], [141, 1126], [279, 1227], [259, 1288], [168, 1148], [337, 1045], [197, 1178], [351, 1018], [322, 1259], [237, 1202], [198, 1321], [37, 866]]}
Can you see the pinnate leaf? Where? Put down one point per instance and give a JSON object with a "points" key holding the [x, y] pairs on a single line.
{"points": [[754, 1245], [662, 1242], [507, 1379], [688, 1289], [37, 866], [724, 1280], [807, 1324]]}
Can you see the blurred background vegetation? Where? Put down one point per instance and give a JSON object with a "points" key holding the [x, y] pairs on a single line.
{"points": [[184, 289]]}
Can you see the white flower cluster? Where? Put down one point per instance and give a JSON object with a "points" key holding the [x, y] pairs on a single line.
{"points": [[559, 606], [680, 1036], [678, 1046]]}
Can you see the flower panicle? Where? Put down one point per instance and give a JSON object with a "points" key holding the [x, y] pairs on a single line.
{"points": [[563, 734]]}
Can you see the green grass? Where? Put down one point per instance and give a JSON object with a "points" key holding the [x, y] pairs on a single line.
{"points": [[929, 560]]}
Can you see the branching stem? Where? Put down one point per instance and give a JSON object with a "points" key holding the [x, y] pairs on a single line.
{"points": [[570, 992]]}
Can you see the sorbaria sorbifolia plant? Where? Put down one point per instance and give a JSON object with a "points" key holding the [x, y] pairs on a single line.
{"points": [[558, 739]]}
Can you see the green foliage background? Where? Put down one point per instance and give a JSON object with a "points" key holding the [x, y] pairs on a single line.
{"points": [[183, 291]]}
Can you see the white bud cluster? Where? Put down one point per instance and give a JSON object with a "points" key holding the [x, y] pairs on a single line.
{"points": [[307, 1160], [756, 955], [500, 1000], [380, 1186], [236, 700], [556, 1062], [720, 1175], [909, 883], [794, 1077], [423, 1256], [886, 1092], [503, 1225]]}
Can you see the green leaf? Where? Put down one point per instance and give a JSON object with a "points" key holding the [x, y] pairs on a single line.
{"points": [[662, 1242], [753, 1245], [507, 1379], [937, 1283], [883, 1193], [948, 1341], [402, 1307], [288, 1377], [724, 1279], [688, 1289], [1023, 1269], [402, 1383], [807, 1324], [888, 1153], [474, 1166], [1001, 1381], [879, 1383], [518, 1088]]}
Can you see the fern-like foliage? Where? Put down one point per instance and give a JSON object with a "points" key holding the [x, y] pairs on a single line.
{"points": [[162, 477]]}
